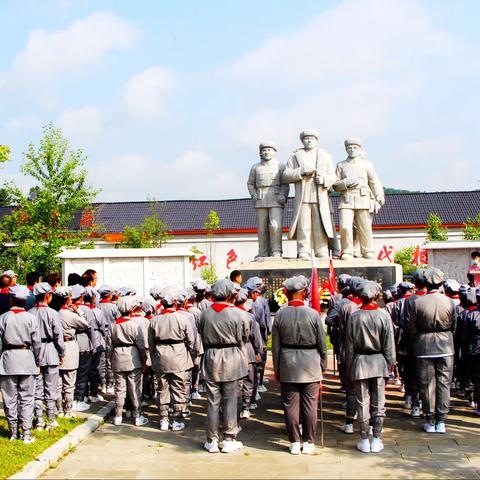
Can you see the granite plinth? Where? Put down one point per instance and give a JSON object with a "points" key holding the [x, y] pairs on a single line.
{"points": [[274, 271]]}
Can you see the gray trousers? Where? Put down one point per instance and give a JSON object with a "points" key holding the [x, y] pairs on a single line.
{"points": [[130, 382], [435, 377], [221, 402], [172, 389], [46, 391], [351, 398], [363, 227], [300, 402], [248, 387], [408, 372], [97, 373], [66, 390], [83, 371], [310, 231], [370, 394], [269, 227], [18, 391]]}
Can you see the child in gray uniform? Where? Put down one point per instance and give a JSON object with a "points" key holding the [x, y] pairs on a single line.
{"points": [[20, 347]]}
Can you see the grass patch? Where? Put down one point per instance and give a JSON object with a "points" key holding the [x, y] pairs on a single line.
{"points": [[15, 455]]}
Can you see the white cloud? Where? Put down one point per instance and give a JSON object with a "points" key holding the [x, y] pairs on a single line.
{"points": [[23, 122], [83, 124], [81, 45], [146, 94]]}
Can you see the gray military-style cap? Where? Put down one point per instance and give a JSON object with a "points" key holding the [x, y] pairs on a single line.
{"points": [[126, 304], [434, 276], [368, 290], [451, 285], [156, 292], [222, 288], [182, 295], [170, 295], [309, 132], [42, 288], [77, 291], [419, 276], [20, 292], [298, 283], [242, 295], [149, 305], [105, 289], [253, 284], [63, 292], [406, 285], [200, 285]]}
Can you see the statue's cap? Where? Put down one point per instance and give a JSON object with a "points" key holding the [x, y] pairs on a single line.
{"points": [[353, 141], [267, 144], [309, 132]]}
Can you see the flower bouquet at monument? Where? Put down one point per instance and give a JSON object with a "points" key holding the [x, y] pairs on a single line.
{"points": [[280, 297]]}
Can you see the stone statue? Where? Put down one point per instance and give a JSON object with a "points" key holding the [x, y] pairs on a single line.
{"points": [[269, 194], [361, 196], [311, 170]]}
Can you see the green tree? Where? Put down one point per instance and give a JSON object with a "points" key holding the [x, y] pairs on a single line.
{"points": [[404, 257], [4, 153], [211, 226], [40, 225], [471, 229], [436, 232], [152, 233]]}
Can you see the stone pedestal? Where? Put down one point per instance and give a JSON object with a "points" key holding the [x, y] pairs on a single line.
{"points": [[274, 271]]}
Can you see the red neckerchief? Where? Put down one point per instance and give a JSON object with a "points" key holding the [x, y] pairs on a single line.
{"points": [[121, 320], [30, 287], [41, 305], [78, 303], [181, 309], [136, 315], [17, 310], [188, 306], [356, 301], [105, 301], [421, 293], [64, 308], [218, 307], [4, 291], [159, 306], [408, 295], [455, 297], [370, 306], [472, 308], [165, 311], [296, 303], [149, 317], [241, 307]]}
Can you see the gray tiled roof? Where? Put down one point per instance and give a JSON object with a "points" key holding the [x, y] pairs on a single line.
{"points": [[400, 209]]}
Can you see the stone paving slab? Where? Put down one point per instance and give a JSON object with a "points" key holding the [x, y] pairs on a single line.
{"points": [[145, 452]]}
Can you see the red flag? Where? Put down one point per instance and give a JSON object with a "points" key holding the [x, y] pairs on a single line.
{"points": [[331, 277], [314, 293]]}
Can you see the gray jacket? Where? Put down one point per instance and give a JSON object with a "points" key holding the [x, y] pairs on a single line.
{"points": [[171, 342], [126, 345], [254, 343], [19, 328], [51, 335], [85, 336], [196, 315], [294, 327], [351, 304], [71, 323], [144, 323], [369, 344], [222, 328], [432, 324], [109, 310]]}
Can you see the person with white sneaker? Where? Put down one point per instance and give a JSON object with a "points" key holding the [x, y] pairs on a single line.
{"points": [[223, 331], [299, 356], [431, 324], [369, 357], [20, 348], [126, 348], [51, 355], [171, 341], [71, 323]]}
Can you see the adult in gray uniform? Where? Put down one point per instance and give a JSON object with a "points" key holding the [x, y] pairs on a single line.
{"points": [[299, 356], [369, 356], [71, 322], [171, 341], [311, 170], [223, 331], [51, 354], [432, 324], [128, 355], [20, 348], [269, 194], [361, 196]]}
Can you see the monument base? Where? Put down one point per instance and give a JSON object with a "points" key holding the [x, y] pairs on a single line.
{"points": [[274, 271]]}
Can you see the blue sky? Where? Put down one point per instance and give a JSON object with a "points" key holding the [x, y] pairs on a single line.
{"points": [[170, 98]]}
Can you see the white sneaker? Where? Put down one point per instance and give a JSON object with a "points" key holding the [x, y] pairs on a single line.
{"points": [[416, 413], [195, 396], [230, 446], [472, 404], [308, 448], [164, 425], [96, 399], [398, 381], [81, 406], [70, 415], [211, 447], [408, 402], [27, 439], [141, 420], [376, 445], [245, 414], [117, 421], [52, 424], [253, 406], [295, 448], [13, 437], [258, 397], [40, 426], [440, 427], [364, 445], [262, 388], [347, 428], [177, 426], [429, 428]]}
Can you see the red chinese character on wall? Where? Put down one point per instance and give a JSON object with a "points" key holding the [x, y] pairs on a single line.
{"points": [[199, 262], [231, 257], [386, 253]]}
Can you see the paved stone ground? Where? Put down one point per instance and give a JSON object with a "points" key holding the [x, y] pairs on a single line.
{"points": [[145, 452]]}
